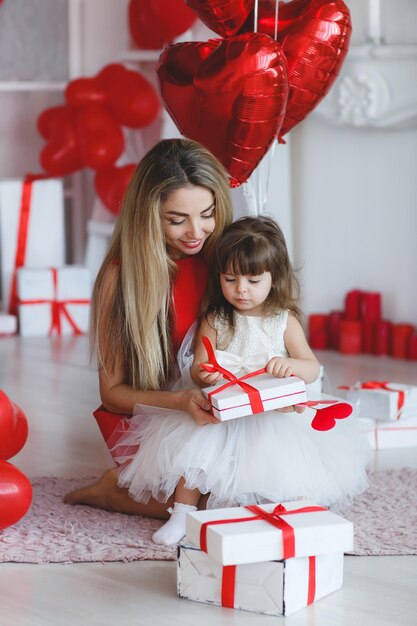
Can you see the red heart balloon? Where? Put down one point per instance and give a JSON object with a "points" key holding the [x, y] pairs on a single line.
{"points": [[325, 419], [154, 23], [15, 494], [314, 35], [83, 91], [99, 136], [111, 183], [228, 94], [224, 18], [61, 155], [13, 427]]}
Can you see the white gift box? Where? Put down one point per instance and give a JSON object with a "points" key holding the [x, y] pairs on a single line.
{"points": [[382, 436], [391, 402], [53, 300], [8, 325], [44, 244], [257, 540], [275, 393], [272, 588]]}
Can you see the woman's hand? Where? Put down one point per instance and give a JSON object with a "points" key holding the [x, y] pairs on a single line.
{"points": [[193, 402], [279, 367]]}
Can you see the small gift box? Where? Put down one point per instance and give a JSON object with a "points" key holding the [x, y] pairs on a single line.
{"points": [[254, 534], [383, 400], [382, 436], [262, 392], [54, 301], [273, 588], [32, 232], [8, 325]]}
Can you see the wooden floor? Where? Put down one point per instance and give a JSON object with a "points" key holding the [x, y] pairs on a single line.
{"points": [[57, 388]]}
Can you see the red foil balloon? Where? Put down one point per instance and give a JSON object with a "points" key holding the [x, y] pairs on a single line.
{"points": [[15, 494], [224, 17], [314, 35], [154, 23], [13, 427], [228, 94], [60, 156], [110, 185]]}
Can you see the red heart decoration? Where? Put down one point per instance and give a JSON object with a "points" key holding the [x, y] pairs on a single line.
{"points": [[154, 23], [13, 427], [111, 184], [99, 136], [224, 18], [325, 419], [314, 35], [84, 91], [228, 94], [61, 155], [15, 494]]}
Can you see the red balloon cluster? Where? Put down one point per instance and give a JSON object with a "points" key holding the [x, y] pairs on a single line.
{"points": [[15, 488], [154, 23], [87, 130], [222, 92]]}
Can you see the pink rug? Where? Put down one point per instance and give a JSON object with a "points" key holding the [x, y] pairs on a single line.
{"points": [[385, 519]]}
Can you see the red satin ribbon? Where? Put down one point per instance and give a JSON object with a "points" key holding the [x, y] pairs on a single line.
{"points": [[288, 538], [253, 393], [58, 308]]}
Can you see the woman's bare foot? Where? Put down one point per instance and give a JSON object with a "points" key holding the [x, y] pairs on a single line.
{"points": [[98, 494]]}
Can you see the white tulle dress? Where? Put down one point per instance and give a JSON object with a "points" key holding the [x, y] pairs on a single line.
{"points": [[270, 456]]}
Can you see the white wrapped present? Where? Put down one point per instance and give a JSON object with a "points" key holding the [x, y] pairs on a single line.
{"points": [[8, 325], [54, 300], [32, 232], [383, 400], [383, 435], [268, 532], [273, 588]]}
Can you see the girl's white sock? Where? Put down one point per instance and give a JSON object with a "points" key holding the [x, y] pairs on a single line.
{"points": [[174, 529]]}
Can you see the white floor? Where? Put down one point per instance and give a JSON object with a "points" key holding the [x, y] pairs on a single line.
{"points": [[57, 388]]}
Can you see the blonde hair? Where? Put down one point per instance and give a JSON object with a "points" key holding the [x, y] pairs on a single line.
{"points": [[131, 311], [249, 247]]}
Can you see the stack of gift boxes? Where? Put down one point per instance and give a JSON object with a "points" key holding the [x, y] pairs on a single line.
{"points": [[41, 296], [360, 328], [271, 559], [387, 412]]}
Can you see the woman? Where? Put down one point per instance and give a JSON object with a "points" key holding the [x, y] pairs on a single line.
{"points": [[148, 293]]}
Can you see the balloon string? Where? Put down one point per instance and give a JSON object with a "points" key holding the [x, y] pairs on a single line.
{"points": [[255, 17], [276, 20]]}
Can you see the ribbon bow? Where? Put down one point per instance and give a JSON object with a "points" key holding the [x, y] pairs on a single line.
{"points": [[383, 385], [253, 393]]}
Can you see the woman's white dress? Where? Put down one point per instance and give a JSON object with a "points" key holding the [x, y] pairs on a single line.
{"points": [[270, 456]]}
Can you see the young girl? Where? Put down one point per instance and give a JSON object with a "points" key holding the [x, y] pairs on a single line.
{"points": [[272, 456]]}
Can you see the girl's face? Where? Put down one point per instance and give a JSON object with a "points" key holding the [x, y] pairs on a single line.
{"points": [[246, 294], [188, 219]]}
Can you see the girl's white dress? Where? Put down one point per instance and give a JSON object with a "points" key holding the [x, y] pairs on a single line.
{"points": [[270, 456]]}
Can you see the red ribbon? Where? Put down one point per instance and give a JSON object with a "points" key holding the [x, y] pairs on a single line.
{"points": [[253, 393], [288, 539], [383, 384], [58, 308]]}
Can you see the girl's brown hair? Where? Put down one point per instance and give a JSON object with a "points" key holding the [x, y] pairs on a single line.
{"points": [[249, 247]]}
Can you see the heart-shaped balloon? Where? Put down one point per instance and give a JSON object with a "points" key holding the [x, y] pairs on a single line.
{"points": [[224, 18], [99, 136], [15, 494], [111, 183], [314, 35], [61, 155], [154, 23], [229, 95], [325, 419], [84, 91], [13, 427]]}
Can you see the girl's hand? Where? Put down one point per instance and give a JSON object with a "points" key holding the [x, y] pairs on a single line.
{"points": [[208, 378], [279, 367], [193, 402]]}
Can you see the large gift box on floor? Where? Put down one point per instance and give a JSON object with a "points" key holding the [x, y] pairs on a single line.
{"points": [[8, 325], [32, 230], [273, 588], [54, 300], [383, 435], [230, 400], [383, 400]]}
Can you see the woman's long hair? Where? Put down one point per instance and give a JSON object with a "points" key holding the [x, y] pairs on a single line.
{"points": [[130, 312], [249, 247]]}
